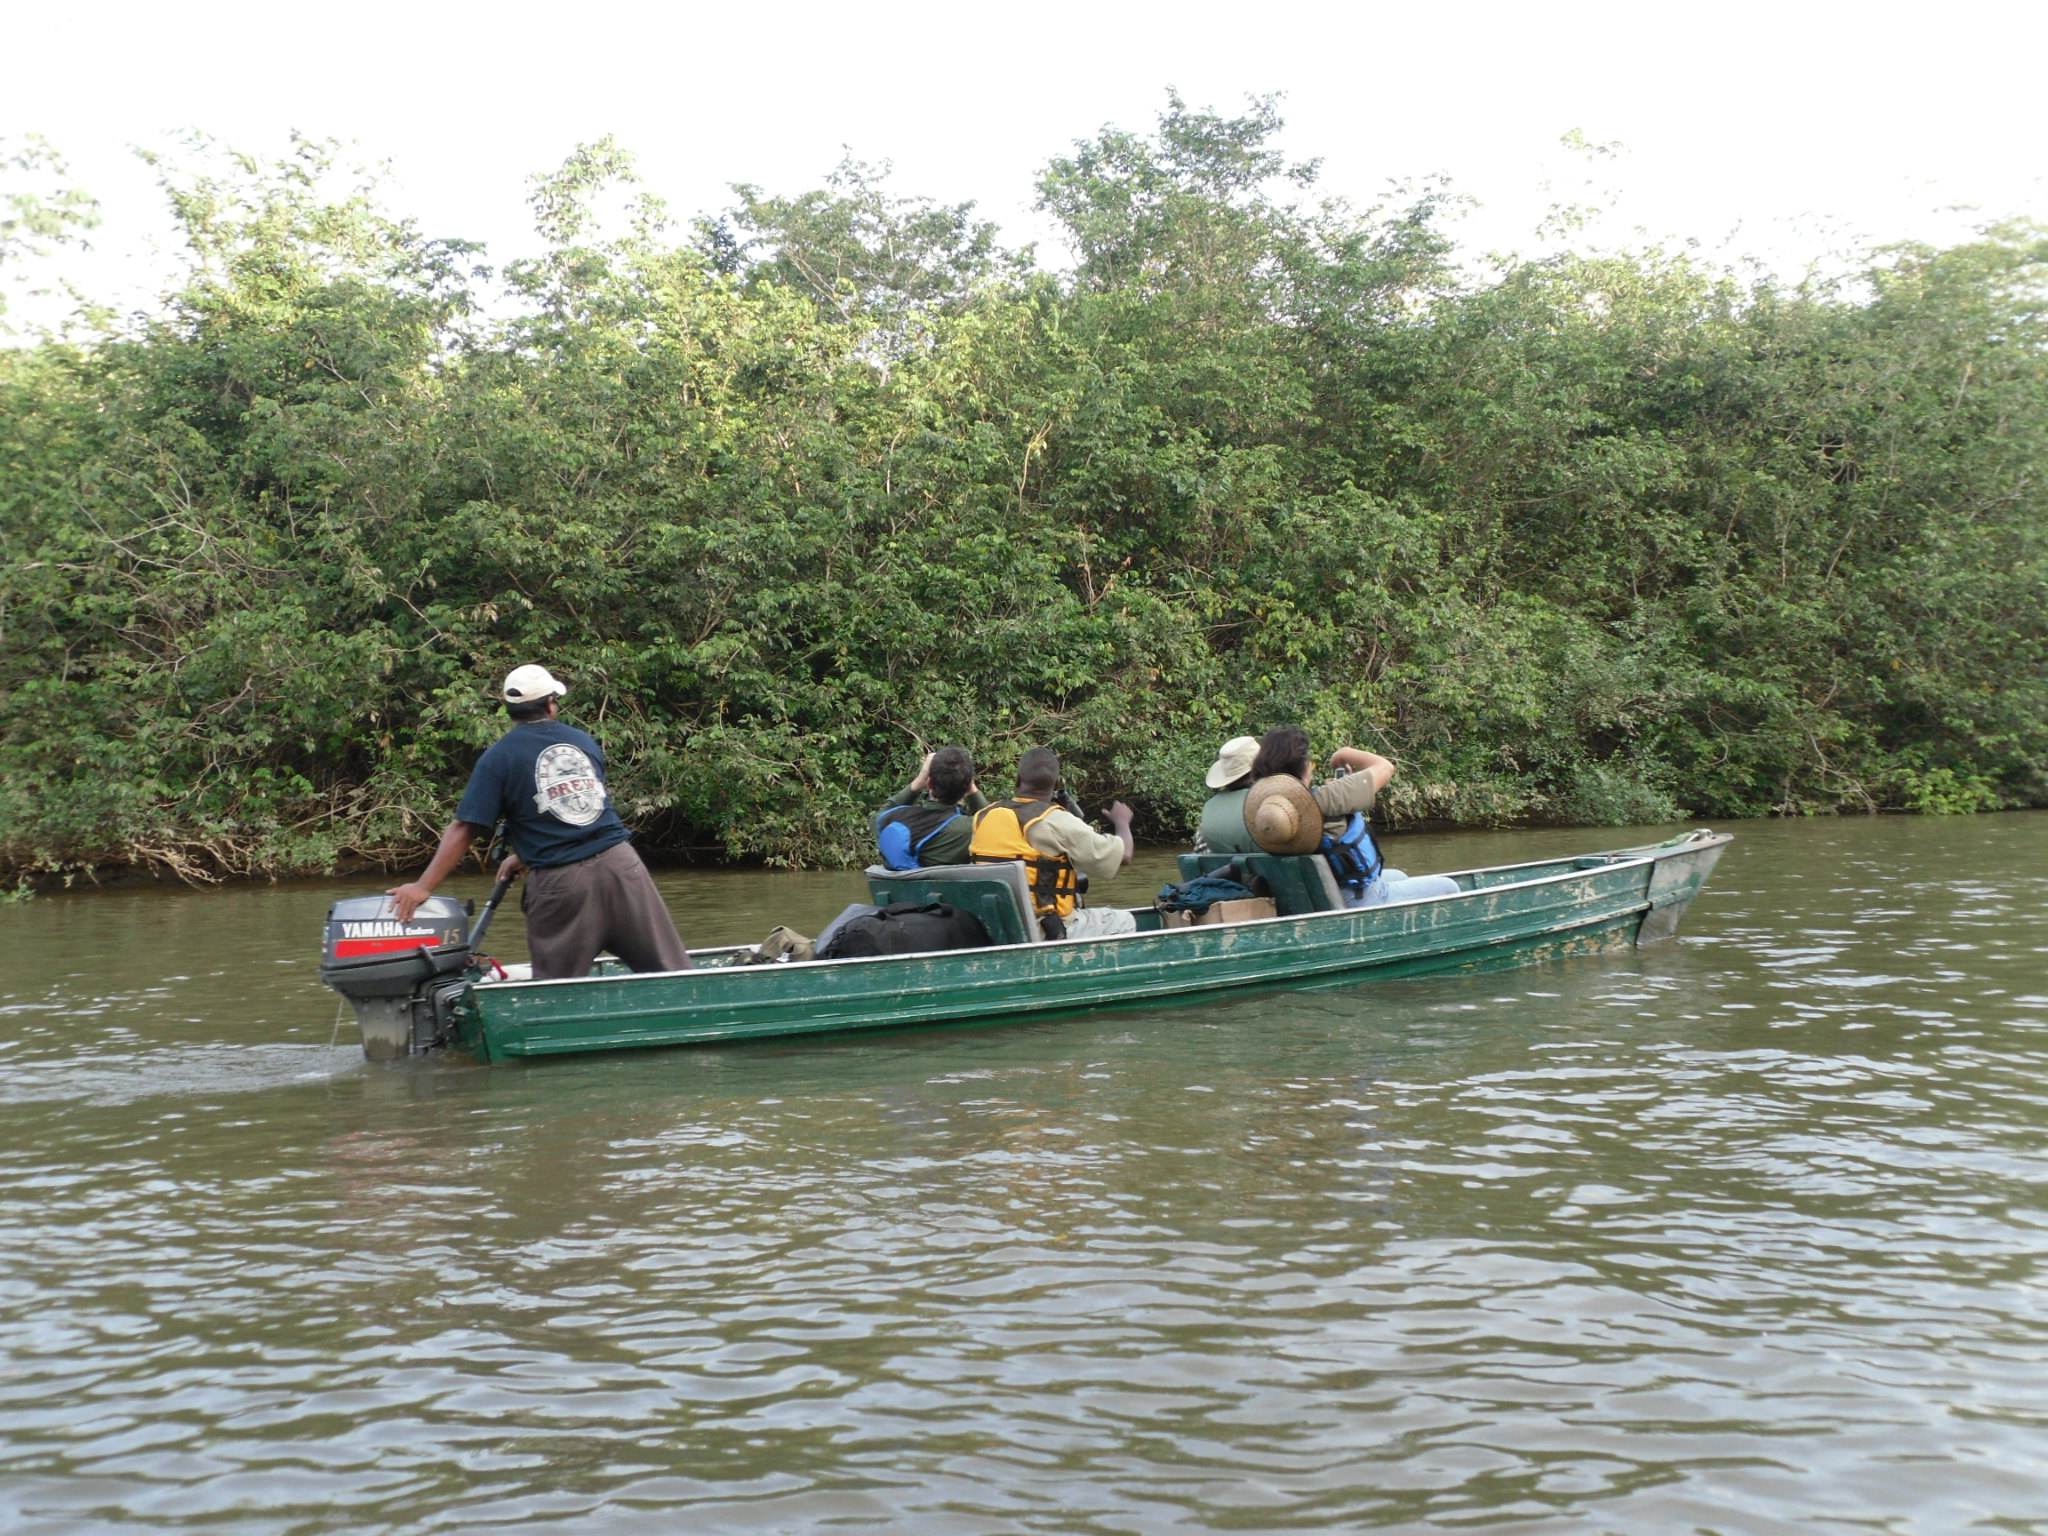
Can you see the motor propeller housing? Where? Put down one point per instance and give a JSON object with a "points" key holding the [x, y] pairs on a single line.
{"points": [[400, 977]]}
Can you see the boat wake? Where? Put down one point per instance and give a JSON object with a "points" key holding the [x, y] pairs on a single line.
{"points": [[178, 1071]]}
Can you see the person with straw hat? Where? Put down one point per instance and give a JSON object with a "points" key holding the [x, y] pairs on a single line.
{"points": [[1284, 815]]}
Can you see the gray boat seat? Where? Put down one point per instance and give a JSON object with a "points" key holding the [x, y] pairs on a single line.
{"points": [[1298, 883], [998, 894]]}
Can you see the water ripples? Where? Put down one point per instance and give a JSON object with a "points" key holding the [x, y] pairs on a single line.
{"points": [[1736, 1234]]}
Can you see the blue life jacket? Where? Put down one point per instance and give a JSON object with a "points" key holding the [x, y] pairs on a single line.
{"points": [[903, 831], [1354, 857]]}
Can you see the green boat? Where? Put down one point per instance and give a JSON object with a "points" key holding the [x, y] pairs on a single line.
{"points": [[422, 989]]}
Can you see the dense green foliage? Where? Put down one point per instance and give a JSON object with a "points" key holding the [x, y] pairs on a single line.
{"points": [[829, 479]]}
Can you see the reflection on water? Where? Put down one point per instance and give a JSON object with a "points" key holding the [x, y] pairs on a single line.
{"points": [[1737, 1233]]}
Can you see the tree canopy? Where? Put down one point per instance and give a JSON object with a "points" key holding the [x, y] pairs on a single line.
{"points": [[798, 490]]}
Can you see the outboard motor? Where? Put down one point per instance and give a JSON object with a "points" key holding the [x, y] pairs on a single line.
{"points": [[403, 979]]}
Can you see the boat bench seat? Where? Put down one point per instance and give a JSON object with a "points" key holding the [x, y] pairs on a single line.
{"points": [[998, 894], [1298, 884]]}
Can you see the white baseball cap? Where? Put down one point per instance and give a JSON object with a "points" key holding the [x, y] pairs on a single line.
{"points": [[530, 683]]}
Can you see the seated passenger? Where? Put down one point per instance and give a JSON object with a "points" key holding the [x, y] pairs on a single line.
{"points": [[1282, 818], [1056, 846], [1223, 829], [917, 829]]}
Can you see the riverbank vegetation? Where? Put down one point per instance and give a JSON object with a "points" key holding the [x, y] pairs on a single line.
{"points": [[790, 494]]}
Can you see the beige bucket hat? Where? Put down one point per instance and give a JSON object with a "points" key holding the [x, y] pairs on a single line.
{"points": [[1233, 761]]}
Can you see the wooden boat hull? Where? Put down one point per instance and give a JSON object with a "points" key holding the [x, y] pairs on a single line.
{"points": [[1504, 916]]}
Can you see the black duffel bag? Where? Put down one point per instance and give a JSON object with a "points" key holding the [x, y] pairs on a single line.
{"points": [[904, 928]]}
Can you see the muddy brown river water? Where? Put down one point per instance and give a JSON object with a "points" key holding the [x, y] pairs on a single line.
{"points": [[1742, 1233]]}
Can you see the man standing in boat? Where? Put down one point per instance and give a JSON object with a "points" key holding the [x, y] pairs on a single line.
{"points": [[1056, 847], [587, 890]]}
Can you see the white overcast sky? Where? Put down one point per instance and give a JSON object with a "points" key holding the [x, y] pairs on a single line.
{"points": [[1796, 128]]}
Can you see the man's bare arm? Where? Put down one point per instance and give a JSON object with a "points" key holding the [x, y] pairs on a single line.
{"points": [[456, 841], [1358, 760], [1119, 816]]}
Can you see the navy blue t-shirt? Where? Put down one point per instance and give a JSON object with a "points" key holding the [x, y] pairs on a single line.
{"points": [[545, 781]]}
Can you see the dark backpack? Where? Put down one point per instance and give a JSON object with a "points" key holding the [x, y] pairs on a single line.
{"points": [[903, 831], [1203, 892], [906, 928]]}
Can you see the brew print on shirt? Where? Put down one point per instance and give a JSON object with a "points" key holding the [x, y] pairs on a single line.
{"points": [[566, 785]]}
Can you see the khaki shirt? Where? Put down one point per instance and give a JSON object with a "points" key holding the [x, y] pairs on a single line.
{"points": [[1338, 798], [1098, 855]]}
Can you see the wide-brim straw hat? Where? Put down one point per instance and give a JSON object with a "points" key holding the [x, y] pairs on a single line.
{"points": [[1282, 816], [1234, 760]]}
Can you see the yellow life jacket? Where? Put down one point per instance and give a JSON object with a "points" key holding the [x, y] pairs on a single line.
{"points": [[999, 836]]}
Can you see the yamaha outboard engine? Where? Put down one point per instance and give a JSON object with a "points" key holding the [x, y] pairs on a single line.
{"points": [[403, 979]]}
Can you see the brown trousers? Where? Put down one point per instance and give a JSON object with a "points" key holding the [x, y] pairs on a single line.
{"points": [[607, 901]]}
